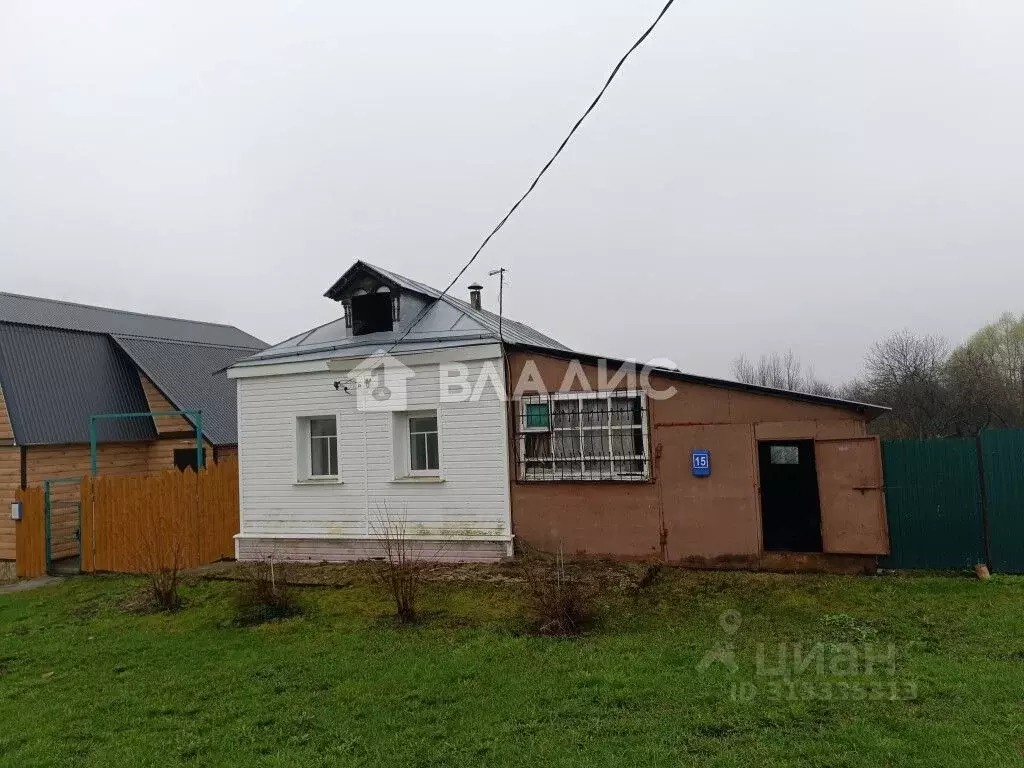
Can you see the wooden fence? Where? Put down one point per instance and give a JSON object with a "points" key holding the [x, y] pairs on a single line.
{"points": [[30, 534], [138, 523]]}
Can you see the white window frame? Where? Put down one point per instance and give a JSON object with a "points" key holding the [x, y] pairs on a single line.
{"points": [[402, 437], [304, 449], [609, 428]]}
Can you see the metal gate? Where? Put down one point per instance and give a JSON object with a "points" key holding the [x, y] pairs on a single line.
{"points": [[954, 502], [63, 514], [1002, 459]]}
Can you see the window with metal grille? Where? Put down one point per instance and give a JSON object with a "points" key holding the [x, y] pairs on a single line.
{"points": [[784, 454], [583, 436]]}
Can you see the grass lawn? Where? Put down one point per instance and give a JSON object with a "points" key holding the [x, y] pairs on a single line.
{"points": [[83, 681]]}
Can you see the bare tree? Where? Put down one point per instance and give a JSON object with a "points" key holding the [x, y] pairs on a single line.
{"points": [[908, 372], [932, 391], [780, 372]]}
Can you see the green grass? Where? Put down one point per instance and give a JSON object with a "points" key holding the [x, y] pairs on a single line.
{"points": [[85, 682]]}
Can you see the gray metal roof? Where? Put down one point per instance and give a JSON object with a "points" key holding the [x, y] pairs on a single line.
{"points": [[50, 313], [437, 322], [512, 331], [62, 362], [54, 379], [192, 377]]}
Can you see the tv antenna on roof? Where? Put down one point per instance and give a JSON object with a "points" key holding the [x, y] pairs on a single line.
{"points": [[501, 295]]}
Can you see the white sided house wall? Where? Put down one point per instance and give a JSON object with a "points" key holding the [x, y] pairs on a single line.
{"points": [[463, 514]]}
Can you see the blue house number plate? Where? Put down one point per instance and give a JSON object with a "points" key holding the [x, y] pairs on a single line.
{"points": [[700, 461]]}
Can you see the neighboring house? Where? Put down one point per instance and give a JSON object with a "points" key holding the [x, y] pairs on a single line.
{"points": [[60, 363], [393, 420]]}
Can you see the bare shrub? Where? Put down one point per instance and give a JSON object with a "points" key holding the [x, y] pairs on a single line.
{"points": [[403, 564], [559, 602], [265, 593], [651, 575], [162, 558]]}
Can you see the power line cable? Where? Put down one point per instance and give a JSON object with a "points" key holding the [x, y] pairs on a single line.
{"points": [[512, 210]]}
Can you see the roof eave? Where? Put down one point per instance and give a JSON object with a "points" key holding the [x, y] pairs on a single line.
{"points": [[869, 410], [335, 292]]}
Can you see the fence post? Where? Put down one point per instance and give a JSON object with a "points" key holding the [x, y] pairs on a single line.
{"points": [[986, 530]]}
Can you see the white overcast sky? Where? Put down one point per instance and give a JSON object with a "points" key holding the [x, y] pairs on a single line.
{"points": [[762, 175]]}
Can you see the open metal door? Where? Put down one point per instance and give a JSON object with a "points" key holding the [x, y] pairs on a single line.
{"points": [[63, 515], [852, 496]]}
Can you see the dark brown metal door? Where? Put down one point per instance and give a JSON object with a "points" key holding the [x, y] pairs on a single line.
{"points": [[852, 496]]}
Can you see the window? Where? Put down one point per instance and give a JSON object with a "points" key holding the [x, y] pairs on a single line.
{"points": [[784, 454], [417, 445], [372, 313], [423, 455], [538, 415], [317, 441], [583, 436], [186, 457]]}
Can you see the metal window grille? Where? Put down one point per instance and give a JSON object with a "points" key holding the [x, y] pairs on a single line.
{"points": [[585, 436]]}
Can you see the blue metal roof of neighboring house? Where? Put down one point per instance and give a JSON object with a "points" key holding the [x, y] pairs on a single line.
{"points": [[62, 362], [443, 321], [192, 377], [53, 380]]}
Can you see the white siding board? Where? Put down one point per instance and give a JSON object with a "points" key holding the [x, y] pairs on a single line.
{"points": [[473, 500]]}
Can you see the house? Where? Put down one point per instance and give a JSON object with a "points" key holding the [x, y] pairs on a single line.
{"points": [[394, 420], [339, 444], [61, 363]]}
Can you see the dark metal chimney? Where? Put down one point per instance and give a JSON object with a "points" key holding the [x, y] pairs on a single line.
{"points": [[474, 295]]}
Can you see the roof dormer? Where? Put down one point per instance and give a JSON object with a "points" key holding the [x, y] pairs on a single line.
{"points": [[372, 310], [372, 301]]}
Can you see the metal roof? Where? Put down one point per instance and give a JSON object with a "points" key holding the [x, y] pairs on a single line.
{"points": [[440, 322], [868, 409], [512, 331], [54, 379], [192, 377], [51, 313], [62, 362]]}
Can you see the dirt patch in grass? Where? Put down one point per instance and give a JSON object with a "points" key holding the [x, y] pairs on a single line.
{"points": [[602, 574]]}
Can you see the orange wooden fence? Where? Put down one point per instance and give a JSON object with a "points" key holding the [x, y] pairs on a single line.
{"points": [[138, 523], [30, 534]]}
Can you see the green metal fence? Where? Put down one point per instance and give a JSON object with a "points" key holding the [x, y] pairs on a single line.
{"points": [[956, 502], [1002, 460]]}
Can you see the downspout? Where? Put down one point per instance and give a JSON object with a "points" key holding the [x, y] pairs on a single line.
{"points": [[511, 446]]}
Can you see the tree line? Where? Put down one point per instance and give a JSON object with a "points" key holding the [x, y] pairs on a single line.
{"points": [[935, 389]]}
